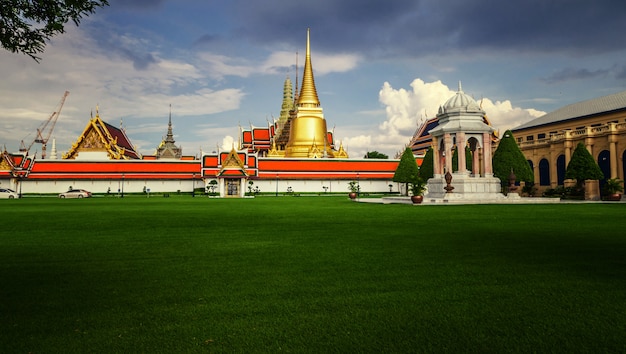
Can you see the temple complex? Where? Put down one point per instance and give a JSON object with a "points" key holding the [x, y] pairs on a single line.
{"points": [[292, 155], [297, 153]]}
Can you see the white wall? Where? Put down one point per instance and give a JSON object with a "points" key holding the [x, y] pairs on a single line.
{"points": [[102, 186], [186, 186], [317, 186]]}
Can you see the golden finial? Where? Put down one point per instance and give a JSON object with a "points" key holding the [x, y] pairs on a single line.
{"points": [[308, 93]]}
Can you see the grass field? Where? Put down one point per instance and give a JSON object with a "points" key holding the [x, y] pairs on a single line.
{"points": [[309, 274]]}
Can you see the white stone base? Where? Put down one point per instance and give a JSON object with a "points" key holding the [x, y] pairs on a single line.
{"points": [[465, 186]]}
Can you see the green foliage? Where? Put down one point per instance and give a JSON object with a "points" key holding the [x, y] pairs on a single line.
{"points": [[582, 166], [508, 156], [407, 169], [418, 186], [25, 26], [375, 155], [427, 169], [353, 186], [575, 192], [613, 185], [468, 159]]}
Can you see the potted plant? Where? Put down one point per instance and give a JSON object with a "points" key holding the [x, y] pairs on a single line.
{"points": [[613, 189], [418, 186], [353, 186]]}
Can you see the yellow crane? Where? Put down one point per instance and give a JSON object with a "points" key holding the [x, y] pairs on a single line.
{"points": [[45, 129]]}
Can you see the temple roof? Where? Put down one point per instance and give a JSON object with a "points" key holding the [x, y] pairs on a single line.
{"points": [[101, 136]]}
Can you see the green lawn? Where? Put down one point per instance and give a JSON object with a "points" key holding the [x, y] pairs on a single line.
{"points": [[309, 274]]}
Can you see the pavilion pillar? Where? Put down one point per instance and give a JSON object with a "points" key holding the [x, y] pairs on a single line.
{"points": [[487, 155], [460, 149], [476, 161], [436, 157], [447, 145]]}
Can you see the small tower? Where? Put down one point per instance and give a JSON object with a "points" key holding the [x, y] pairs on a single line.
{"points": [[461, 126], [284, 121], [168, 149], [308, 128], [53, 153]]}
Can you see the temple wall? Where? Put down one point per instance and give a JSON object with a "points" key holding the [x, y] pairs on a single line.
{"points": [[317, 186], [104, 186], [185, 186]]}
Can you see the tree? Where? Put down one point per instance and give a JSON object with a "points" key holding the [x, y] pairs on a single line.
{"points": [[582, 166], [407, 170], [509, 157], [427, 169], [375, 155], [25, 26]]}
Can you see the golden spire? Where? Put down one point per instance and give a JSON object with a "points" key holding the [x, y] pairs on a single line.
{"points": [[308, 93]]}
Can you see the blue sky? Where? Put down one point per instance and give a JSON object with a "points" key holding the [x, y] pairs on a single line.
{"points": [[381, 66]]}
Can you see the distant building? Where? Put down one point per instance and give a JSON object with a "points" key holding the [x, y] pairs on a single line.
{"points": [[168, 149], [549, 141], [102, 141]]}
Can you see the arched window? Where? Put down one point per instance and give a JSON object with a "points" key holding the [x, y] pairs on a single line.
{"points": [[604, 161], [560, 170], [544, 172]]}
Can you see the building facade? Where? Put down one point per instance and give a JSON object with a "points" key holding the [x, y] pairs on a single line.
{"points": [[548, 142]]}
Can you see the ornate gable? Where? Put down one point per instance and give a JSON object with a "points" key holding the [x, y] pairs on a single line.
{"points": [[315, 152], [5, 162], [98, 136], [341, 153], [233, 166]]}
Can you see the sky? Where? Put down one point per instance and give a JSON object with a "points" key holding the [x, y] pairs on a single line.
{"points": [[381, 67]]}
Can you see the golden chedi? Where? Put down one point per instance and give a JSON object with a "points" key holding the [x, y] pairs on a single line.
{"points": [[307, 137]]}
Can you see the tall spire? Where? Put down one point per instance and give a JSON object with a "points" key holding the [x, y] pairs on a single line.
{"points": [[170, 134], [308, 93], [296, 95], [167, 148]]}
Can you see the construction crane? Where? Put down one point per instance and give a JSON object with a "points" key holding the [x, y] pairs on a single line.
{"points": [[45, 129]]}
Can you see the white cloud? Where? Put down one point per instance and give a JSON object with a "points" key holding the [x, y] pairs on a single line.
{"points": [[503, 115], [228, 143], [329, 63], [406, 109], [219, 66], [322, 63]]}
